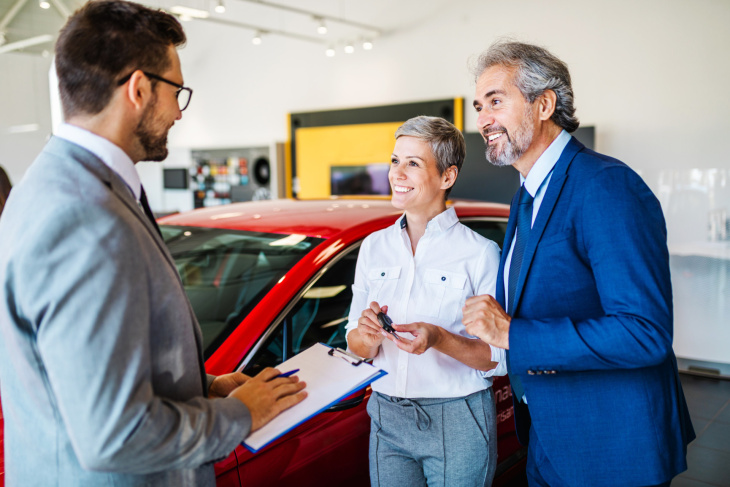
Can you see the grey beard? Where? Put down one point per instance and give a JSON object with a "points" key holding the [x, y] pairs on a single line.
{"points": [[513, 149]]}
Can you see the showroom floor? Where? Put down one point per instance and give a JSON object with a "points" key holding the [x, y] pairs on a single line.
{"points": [[709, 455]]}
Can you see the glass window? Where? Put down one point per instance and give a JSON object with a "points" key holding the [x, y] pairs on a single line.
{"points": [[226, 272], [320, 315], [493, 230]]}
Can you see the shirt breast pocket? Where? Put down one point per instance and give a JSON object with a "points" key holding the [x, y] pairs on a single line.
{"points": [[442, 295], [383, 282]]}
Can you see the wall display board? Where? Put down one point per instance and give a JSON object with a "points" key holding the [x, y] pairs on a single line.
{"points": [[222, 176], [346, 152]]}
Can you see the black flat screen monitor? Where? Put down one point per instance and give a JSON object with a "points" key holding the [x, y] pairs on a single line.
{"points": [[365, 179], [175, 178]]}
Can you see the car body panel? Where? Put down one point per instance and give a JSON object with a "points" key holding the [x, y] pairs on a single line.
{"points": [[301, 455], [334, 443]]}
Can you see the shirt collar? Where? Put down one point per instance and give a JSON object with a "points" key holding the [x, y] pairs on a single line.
{"points": [[443, 221], [110, 154], [545, 163]]}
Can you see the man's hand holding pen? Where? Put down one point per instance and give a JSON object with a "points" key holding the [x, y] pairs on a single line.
{"points": [[268, 394]]}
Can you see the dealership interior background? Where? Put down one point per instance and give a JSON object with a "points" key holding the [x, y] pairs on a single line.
{"points": [[650, 84]]}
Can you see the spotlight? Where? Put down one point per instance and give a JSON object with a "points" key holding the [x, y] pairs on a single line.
{"points": [[330, 52], [220, 7], [44, 4], [367, 45], [349, 48], [256, 40], [322, 27]]}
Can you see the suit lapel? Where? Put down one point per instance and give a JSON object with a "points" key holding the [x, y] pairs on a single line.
{"points": [[555, 187], [119, 188]]}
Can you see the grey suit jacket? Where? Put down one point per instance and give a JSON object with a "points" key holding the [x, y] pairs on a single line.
{"points": [[101, 368]]}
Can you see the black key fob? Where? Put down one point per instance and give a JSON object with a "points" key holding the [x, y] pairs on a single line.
{"points": [[387, 324]]}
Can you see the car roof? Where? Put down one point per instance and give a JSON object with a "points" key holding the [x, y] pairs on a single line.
{"points": [[314, 218]]}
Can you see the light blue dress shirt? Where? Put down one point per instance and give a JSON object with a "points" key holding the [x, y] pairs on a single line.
{"points": [[536, 184]]}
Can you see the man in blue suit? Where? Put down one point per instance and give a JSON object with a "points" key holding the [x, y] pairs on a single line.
{"points": [[584, 279]]}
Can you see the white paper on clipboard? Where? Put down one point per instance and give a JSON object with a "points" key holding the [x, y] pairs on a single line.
{"points": [[330, 374]]}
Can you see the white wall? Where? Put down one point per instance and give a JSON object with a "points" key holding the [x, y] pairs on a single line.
{"points": [[24, 101], [651, 75]]}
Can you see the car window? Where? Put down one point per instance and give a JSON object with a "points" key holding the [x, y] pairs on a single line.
{"points": [[492, 229], [320, 315], [226, 272]]}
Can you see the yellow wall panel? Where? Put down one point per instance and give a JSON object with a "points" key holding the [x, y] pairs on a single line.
{"points": [[319, 148]]}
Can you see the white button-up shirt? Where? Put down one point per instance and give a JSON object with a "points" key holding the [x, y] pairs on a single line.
{"points": [[451, 264]]}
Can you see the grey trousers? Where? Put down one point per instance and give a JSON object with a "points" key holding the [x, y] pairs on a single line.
{"points": [[435, 442]]}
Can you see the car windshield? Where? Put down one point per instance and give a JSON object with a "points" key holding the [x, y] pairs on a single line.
{"points": [[226, 272]]}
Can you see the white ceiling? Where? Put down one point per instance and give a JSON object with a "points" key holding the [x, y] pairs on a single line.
{"points": [[347, 21]]}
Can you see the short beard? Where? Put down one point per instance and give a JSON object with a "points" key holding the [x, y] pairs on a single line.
{"points": [[154, 146], [513, 148]]}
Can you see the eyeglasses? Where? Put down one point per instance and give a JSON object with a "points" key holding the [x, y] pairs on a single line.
{"points": [[183, 93]]}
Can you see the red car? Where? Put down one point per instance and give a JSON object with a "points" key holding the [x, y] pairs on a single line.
{"points": [[268, 280]]}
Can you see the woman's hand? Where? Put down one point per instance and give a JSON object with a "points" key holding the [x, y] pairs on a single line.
{"points": [[425, 336], [366, 339], [370, 331]]}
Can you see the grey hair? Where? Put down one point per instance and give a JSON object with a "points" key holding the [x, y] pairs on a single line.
{"points": [[537, 71], [445, 140]]}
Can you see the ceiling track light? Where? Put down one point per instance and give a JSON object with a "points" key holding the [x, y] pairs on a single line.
{"points": [[349, 48], [330, 52], [187, 13], [220, 7], [44, 4], [256, 39], [322, 27], [367, 44]]}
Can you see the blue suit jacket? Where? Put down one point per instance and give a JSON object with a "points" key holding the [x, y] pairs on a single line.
{"points": [[591, 334]]}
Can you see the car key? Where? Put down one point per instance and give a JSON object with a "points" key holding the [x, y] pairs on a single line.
{"points": [[387, 324]]}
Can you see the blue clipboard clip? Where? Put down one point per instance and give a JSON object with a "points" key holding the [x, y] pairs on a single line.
{"points": [[346, 356]]}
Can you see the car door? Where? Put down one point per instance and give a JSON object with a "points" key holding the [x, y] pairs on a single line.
{"points": [[332, 444]]}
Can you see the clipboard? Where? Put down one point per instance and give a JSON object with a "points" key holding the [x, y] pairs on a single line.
{"points": [[331, 375]]}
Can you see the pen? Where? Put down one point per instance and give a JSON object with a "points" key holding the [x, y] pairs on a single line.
{"points": [[287, 374]]}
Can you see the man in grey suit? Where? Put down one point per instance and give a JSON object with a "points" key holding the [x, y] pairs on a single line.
{"points": [[101, 367]]}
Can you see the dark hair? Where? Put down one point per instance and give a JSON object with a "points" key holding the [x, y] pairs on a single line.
{"points": [[106, 40], [445, 140], [537, 71], [5, 188]]}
